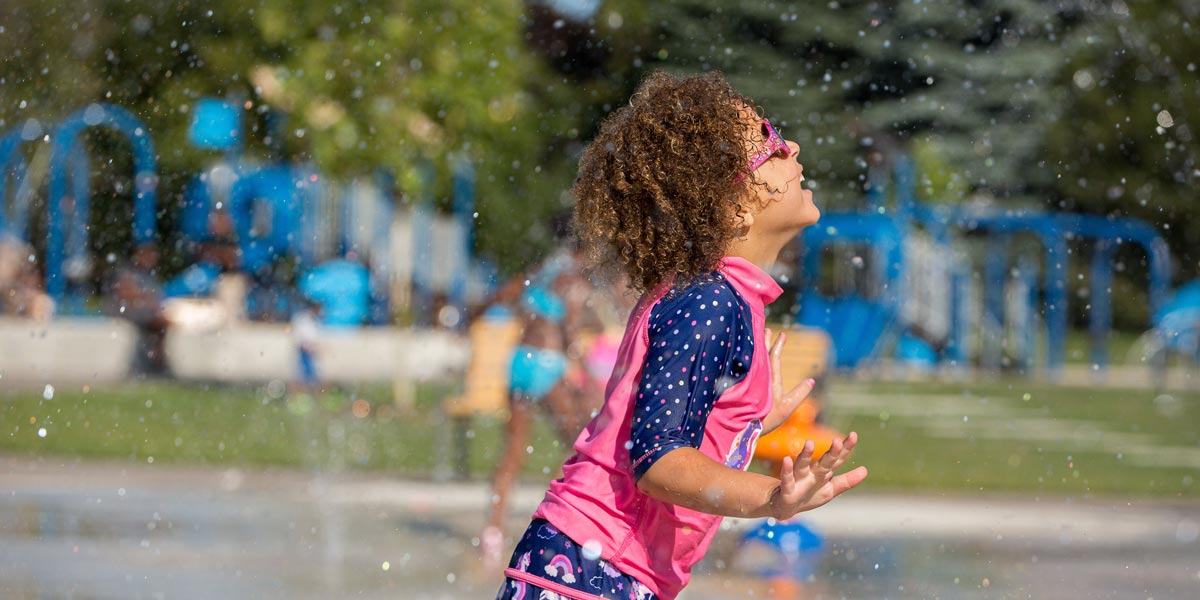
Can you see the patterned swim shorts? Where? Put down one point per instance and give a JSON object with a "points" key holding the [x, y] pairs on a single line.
{"points": [[548, 565]]}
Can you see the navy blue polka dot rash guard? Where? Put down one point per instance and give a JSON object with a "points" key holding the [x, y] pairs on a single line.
{"points": [[700, 345]]}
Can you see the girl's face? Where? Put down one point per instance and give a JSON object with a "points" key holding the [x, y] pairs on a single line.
{"points": [[785, 206]]}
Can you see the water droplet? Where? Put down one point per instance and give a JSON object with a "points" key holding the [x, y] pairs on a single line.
{"points": [[41, 432]]}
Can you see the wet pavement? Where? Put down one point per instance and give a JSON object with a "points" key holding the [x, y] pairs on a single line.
{"points": [[106, 530]]}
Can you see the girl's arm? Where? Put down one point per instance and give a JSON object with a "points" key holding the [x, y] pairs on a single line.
{"points": [[700, 343], [688, 478]]}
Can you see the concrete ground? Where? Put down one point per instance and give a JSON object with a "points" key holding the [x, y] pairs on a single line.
{"points": [[111, 530]]}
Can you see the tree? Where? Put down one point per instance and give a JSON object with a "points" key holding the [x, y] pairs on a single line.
{"points": [[968, 80], [1126, 143], [365, 85]]}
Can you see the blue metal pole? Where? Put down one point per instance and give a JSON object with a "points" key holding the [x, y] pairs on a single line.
{"points": [[1056, 302], [994, 279], [1100, 317]]}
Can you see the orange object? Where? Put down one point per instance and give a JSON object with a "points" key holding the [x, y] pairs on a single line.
{"points": [[789, 438]]}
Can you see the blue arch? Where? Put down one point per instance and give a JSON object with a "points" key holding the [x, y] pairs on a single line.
{"points": [[1108, 234], [145, 165]]}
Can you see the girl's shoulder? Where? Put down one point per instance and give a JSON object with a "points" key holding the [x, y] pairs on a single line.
{"points": [[711, 294]]}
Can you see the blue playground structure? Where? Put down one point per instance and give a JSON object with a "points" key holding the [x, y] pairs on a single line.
{"points": [[337, 238], [918, 289], [68, 204], [334, 240]]}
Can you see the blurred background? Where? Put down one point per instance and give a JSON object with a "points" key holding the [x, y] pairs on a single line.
{"points": [[254, 335]]}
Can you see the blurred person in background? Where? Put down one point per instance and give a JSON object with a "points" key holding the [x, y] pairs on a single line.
{"points": [[134, 294], [305, 326], [21, 292], [559, 366]]}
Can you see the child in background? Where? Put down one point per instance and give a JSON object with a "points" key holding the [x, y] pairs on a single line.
{"points": [[305, 333], [552, 307], [692, 194]]}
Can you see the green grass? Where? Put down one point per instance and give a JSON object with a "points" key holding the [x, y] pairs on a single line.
{"points": [[1108, 441], [902, 441], [1077, 347], [168, 422]]}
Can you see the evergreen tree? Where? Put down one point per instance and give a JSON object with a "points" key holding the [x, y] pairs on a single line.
{"points": [[964, 83]]}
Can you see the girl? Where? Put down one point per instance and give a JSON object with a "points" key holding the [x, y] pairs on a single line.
{"points": [[692, 194]]}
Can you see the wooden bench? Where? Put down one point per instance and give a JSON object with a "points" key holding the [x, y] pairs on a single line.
{"points": [[485, 386], [485, 383]]}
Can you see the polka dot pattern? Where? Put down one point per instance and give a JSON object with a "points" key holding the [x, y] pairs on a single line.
{"points": [[700, 345]]}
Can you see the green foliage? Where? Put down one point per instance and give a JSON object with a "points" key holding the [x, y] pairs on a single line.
{"points": [[364, 85], [1126, 143], [847, 77]]}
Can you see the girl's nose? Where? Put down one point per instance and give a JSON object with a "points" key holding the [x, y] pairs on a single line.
{"points": [[793, 147]]}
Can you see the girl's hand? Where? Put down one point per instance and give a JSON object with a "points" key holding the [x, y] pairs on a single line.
{"points": [[805, 484], [783, 405]]}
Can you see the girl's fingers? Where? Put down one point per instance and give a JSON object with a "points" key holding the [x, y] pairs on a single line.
{"points": [[803, 389], [803, 461], [828, 461], [777, 345], [848, 480], [787, 479], [847, 448], [851, 441]]}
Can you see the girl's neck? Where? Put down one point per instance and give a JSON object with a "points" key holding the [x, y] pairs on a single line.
{"points": [[763, 251]]}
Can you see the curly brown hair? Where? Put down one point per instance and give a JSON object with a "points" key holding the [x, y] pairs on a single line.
{"points": [[656, 191]]}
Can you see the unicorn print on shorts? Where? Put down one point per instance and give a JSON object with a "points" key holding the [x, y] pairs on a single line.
{"points": [[640, 592], [520, 587]]}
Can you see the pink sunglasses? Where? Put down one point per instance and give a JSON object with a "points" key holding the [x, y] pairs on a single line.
{"points": [[774, 145]]}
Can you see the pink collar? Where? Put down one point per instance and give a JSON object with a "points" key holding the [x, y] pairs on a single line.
{"points": [[752, 280]]}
